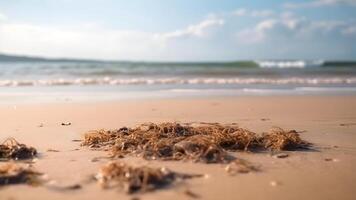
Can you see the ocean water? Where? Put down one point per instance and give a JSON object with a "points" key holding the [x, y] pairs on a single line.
{"points": [[68, 80]]}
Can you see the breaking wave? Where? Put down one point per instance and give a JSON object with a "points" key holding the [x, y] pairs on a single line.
{"points": [[290, 64]]}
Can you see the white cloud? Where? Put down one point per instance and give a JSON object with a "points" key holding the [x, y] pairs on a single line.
{"points": [[59, 42], [290, 26], [320, 3], [253, 13], [256, 34], [196, 30], [93, 41]]}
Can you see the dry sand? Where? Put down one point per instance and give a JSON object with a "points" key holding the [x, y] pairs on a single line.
{"points": [[329, 122]]}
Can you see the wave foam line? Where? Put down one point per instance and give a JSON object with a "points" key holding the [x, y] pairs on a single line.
{"points": [[162, 81]]}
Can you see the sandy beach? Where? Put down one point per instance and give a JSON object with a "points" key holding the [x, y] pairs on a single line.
{"points": [[179, 99], [324, 172]]}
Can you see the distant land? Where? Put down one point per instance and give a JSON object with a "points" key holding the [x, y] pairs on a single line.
{"points": [[21, 58], [246, 63]]}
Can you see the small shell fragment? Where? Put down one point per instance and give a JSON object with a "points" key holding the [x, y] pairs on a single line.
{"points": [[274, 183]]}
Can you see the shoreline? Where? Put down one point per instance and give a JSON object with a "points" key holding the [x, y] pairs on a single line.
{"points": [[63, 97]]}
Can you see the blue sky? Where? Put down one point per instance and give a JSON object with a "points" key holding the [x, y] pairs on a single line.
{"points": [[179, 30]]}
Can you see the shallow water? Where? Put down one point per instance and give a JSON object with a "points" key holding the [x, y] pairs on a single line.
{"points": [[85, 80]]}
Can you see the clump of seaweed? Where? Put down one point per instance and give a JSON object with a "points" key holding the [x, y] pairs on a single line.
{"points": [[279, 139], [11, 149], [137, 179], [205, 142], [173, 141], [11, 173]]}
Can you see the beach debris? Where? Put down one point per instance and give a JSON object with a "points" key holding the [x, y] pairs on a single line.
{"points": [[347, 124], [76, 140], [12, 149], [66, 123], [202, 142], [331, 159], [240, 166], [52, 150], [137, 178], [40, 125], [265, 119], [207, 142], [279, 139], [280, 155], [11, 173], [64, 188]]}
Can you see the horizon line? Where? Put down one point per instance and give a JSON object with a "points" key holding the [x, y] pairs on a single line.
{"points": [[35, 58]]}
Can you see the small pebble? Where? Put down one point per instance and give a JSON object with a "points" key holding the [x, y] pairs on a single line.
{"points": [[265, 119], [274, 183], [280, 155], [66, 124], [52, 150], [331, 159]]}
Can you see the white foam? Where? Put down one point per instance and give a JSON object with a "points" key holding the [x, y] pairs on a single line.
{"points": [[289, 64], [175, 80]]}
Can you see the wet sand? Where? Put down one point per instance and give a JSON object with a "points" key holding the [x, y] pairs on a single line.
{"points": [[326, 172]]}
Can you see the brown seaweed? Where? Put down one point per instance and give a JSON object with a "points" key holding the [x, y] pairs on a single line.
{"points": [[11, 173], [137, 179], [204, 142], [11, 149], [279, 139], [173, 141], [199, 148]]}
